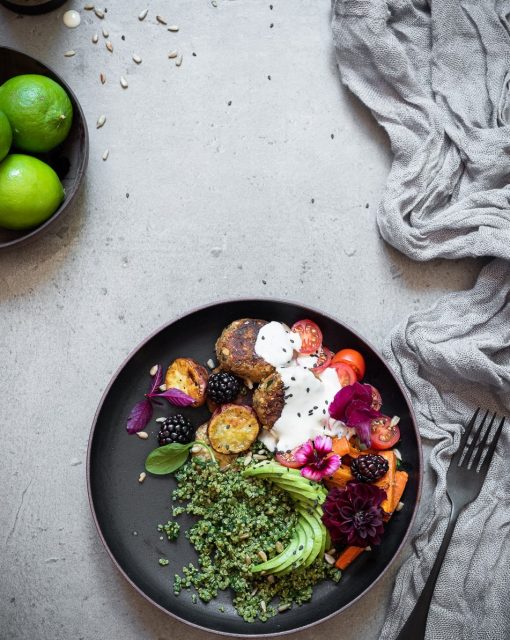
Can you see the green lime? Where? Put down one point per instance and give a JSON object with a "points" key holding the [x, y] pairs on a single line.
{"points": [[5, 135], [30, 192], [39, 111]]}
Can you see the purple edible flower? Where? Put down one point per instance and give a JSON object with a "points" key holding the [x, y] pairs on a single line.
{"points": [[316, 458], [353, 406]]}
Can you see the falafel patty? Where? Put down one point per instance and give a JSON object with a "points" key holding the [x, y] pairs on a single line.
{"points": [[269, 399]]}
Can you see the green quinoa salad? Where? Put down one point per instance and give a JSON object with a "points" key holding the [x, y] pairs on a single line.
{"points": [[291, 478]]}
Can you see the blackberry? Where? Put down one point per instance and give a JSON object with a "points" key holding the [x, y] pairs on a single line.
{"points": [[369, 468], [223, 387], [176, 429]]}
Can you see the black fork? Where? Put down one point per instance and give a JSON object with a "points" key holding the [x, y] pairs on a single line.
{"points": [[464, 480]]}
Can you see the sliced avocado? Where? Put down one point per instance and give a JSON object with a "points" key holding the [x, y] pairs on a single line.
{"points": [[318, 535], [298, 489], [296, 559], [310, 537], [281, 558]]}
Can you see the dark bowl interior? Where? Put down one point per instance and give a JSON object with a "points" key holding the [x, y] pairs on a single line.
{"points": [[121, 506], [69, 159]]}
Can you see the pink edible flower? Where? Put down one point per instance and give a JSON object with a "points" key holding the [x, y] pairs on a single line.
{"points": [[352, 405], [317, 460]]}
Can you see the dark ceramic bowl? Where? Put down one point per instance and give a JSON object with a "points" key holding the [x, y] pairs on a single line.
{"points": [[34, 8], [69, 159], [121, 506]]}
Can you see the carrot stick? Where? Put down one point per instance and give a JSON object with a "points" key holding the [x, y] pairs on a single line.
{"points": [[348, 555], [401, 478]]}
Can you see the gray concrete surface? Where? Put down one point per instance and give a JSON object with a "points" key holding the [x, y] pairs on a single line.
{"points": [[272, 195]]}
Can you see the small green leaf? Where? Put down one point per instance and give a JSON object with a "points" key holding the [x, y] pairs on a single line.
{"points": [[168, 458]]}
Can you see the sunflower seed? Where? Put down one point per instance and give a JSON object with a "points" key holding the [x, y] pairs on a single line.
{"points": [[136, 58], [99, 13], [263, 606], [70, 54], [399, 506], [153, 370], [105, 157], [174, 28], [244, 536], [123, 82], [173, 54], [262, 555], [161, 20], [331, 552], [270, 579], [394, 421], [368, 548], [247, 560], [329, 559], [284, 607], [259, 456], [143, 435], [210, 363], [143, 15], [142, 477], [102, 77], [95, 38], [105, 33], [160, 419], [109, 46], [100, 121], [279, 547], [247, 459], [162, 387], [397, 453], [89, 7]]}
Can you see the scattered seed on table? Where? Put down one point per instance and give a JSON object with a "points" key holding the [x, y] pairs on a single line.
{"points": [[214, 3], [178, 62], [105, 33], [109, 46], [89, 7], [136, 58], [174, 28], [194, 54], [271, 25], [229, 103], [71, 19], [123, 82], [105, 157], [173, 54], [269, 77], [143, 14], [95, 38], [70, 54], [142, 477], [100, 121], [102, 77], [143, 435], [122, 37], [99, 13], [161, 20]]}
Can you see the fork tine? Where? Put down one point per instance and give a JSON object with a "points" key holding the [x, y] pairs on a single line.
{"points": [[492, 447], [465, 460], [465, 435], [481, 446]]}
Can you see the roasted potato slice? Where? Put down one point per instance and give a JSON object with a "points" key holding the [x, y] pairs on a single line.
{"points": [[233, 429], [223, 459], [188, 376], [269, 400], [235, 349]]}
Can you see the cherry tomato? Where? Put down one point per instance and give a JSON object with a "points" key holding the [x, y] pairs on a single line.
{"points": [[376, 398], [287, 459], [323, 360], [311, 336], [345, 374], [383, 435], [354, 359]]}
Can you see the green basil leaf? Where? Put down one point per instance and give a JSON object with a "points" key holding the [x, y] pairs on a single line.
{"points": [[168, 458]]}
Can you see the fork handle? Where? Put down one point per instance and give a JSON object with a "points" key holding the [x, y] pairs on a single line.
{"points": [[416, 625]]}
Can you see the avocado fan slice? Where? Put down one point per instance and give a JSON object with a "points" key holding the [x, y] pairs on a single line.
{"points": [[319, 533], [281, 558]]}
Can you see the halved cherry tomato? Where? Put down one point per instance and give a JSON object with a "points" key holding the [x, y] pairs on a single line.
{"points": [[352, 358], [383, 435], [288, 459], [376, 398], [345, 374], [323, 360], [311, 336]]}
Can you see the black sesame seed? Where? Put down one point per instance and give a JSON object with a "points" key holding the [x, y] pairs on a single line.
{"points": [[271, 25], [292, 378], [299, 415], [229, 103], [262, 337], [316, 407], [324, 411], [307, 389], [269, 77], [301, 547], [194, 54], [122, 37], [284, 350], [313, 200], [292, 341]]}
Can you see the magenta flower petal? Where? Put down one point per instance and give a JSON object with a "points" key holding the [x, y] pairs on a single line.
{"points": [[353, 406], [341, 401], [331, 464], [322, 445], [311, 474], [304, 453]]}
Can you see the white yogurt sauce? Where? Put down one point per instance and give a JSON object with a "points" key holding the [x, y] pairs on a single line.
{"points": [[276, 344]]}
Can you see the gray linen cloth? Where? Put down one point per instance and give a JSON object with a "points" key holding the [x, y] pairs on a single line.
{"points": [[436, 76]]}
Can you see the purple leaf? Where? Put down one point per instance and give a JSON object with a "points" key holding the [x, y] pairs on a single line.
{"points": [[139, 417], [157, 380], [174, 396]]}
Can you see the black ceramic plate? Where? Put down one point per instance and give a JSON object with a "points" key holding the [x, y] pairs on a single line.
{"points": [[127, 513], [69, 159]]}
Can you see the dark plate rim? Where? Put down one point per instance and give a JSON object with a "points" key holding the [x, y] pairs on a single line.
{"points": [[45, 226], [92, 433]]}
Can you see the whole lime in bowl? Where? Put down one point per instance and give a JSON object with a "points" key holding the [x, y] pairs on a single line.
{"points": [[39, 111], [5, 135], [30, 192]]}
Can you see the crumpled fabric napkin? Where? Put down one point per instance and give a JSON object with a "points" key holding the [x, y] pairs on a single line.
{"points": [[436, 76]]}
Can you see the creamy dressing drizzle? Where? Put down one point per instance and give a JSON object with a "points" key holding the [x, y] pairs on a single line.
{"points": [[307, 397]]}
